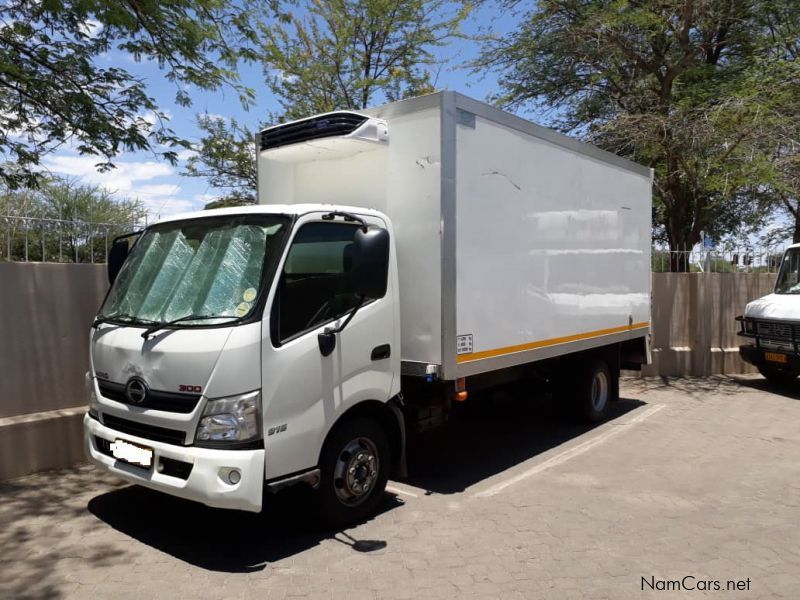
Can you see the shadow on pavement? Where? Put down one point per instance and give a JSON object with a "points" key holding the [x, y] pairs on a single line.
{"points": [[791, 390], [41, 524], [223, 540], [492, 435], [481, 440]]}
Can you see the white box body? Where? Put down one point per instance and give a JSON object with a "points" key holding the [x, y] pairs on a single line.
{"points": [[514, 243]]}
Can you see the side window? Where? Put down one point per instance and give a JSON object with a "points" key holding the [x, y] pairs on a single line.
{"points": [[316, 283]]}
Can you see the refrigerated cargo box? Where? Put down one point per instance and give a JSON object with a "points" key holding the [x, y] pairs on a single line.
{"points": [[514, 243]]}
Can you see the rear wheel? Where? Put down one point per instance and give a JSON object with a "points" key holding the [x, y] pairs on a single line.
{"points": [[355, 468], [594, 390], [778, 376]]}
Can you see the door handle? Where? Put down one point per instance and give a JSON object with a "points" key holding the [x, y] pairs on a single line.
{"points": [[381, 352]]}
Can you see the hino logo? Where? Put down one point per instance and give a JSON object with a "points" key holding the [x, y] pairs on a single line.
{"points": [[136, 390]]}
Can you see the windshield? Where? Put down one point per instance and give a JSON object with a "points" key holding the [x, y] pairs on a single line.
{"points": [[209, 267], [789, 275]]}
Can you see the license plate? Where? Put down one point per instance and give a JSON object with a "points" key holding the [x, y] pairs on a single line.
{"points": [[775, 357], [132, 453]]}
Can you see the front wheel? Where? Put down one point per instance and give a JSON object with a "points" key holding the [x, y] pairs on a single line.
{"points": [[777, 376], [355, 468]]}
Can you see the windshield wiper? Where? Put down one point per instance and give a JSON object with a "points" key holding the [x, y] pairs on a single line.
{"points": [[124, 317], [158, 326]]}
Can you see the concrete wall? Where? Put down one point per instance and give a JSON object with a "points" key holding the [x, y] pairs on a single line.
{"points": [[46, 310], [45, 313], [693, 326]]}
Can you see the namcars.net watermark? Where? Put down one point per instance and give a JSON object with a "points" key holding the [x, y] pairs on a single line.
{"points": [[690, 583]]}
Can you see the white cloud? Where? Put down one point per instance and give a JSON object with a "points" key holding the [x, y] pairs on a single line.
{"points": [[186, 154], [158, 189], [121, 179], [131, 179], [159, 208]]}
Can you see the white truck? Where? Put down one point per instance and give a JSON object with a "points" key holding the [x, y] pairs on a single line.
{"points": [[398, 259], [773, 324]]}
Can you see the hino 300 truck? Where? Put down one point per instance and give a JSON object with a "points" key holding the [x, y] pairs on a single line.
{"points": [[399, 258]]}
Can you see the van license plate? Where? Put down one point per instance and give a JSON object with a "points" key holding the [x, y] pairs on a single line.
{"points": [[775, 357], [132, 453]]}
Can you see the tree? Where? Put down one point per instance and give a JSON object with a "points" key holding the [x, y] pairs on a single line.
{"points": [[697, 89], [226, 157], [783, 24], [331, 55], [64, 221], [341, 54], [54, 90]]}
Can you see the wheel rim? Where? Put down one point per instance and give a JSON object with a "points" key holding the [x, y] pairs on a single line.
{"points": [[356, 471], [599, 391]]}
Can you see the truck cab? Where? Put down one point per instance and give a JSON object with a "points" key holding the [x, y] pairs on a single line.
{"points": [[772, 324], [233, 342]]}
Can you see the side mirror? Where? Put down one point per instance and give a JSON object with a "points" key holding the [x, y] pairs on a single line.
{"points": [[371, 263], [116, 256]]}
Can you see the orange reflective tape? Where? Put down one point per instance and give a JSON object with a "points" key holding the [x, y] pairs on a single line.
{"points": [[551, 342]]}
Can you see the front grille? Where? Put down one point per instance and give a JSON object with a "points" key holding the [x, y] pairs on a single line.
{"points": [[148, 432], [323, 126], [157, 400], [776, 331]]}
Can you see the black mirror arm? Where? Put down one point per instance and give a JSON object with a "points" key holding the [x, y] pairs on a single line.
{"points": [[327, 339], [126, 235], [347, 217], [350, 316]]}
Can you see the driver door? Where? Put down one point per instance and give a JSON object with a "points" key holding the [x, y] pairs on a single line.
{"points": [[305, 392]]}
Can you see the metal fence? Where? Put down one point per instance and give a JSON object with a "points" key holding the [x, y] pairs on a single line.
{"points": [[744, 259], [37, 239]]}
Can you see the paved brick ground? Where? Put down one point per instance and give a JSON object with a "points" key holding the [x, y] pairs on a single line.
{"points": [[691, 477]]}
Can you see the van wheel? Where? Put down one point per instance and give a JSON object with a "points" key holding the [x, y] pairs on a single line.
{"points": [[593, 391], [355, 468], [777, 376]]}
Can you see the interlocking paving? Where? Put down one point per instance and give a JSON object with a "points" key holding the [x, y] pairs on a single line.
{"points": [[708, 487]]}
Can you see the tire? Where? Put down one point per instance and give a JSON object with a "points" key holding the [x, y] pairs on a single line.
{"points": [[593, 391], [347, 457], [778, 376]]}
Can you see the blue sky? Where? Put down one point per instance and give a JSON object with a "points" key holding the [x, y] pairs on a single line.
{"points": [[161, 187]]}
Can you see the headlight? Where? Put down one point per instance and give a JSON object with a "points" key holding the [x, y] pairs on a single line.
{"points": [[234, 419]]}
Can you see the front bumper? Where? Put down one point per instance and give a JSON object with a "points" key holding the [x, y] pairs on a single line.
{"points": [[204, 483], [755, 356]]}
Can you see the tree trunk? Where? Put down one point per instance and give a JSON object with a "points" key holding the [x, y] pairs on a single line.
{"points": [[796, 236]]}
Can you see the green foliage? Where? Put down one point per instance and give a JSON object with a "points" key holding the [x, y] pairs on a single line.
{"points": [[702, 91], [330, 55], [55, 87], [226, 157], [229, 202], [342, 54], [63, 221]]}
